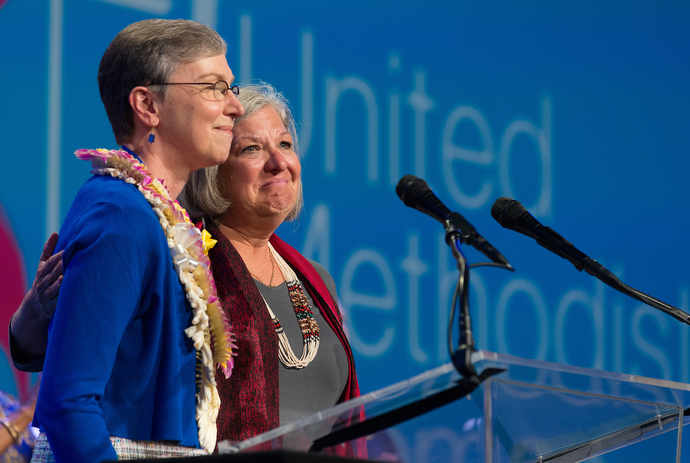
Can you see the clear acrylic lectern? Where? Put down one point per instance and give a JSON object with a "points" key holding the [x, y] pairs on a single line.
{"points": [[528, 411]]}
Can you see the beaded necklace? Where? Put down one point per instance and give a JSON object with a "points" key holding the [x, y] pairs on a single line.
{"points": [[305, 318], [188, 248]]}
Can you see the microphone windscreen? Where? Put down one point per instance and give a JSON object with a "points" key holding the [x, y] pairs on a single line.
{"points": [[507, 211], [410, 189]]}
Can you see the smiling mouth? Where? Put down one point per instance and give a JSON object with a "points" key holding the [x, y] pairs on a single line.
{"points": [[276, 182]]}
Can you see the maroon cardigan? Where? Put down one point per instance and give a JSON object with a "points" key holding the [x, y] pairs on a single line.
{"points": [[250, 397]]}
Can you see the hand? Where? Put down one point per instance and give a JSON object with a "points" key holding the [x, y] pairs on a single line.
{"points": [[29, 324], [46, 285]]}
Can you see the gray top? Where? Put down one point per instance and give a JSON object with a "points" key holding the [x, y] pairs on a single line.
{"points": [[319, 385]]}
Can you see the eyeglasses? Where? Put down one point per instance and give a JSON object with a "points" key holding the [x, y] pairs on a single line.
{"points": [[220, 88]]}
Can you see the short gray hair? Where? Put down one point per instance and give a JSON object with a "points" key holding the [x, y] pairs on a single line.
{"points": [[144, 53], [201, 195]]}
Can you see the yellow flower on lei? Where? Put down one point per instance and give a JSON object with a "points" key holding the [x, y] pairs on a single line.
{"points": [[208, 241]]}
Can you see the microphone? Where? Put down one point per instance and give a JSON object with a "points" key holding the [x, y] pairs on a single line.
{"points": [[415, 193], [511, 214]]}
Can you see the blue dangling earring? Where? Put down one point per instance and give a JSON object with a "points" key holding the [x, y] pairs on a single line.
{"points": [[152, 136]]}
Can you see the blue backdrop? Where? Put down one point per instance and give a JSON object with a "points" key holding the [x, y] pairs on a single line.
{"points": [[578, 109]]}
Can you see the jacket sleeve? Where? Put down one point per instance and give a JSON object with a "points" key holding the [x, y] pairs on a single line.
{"points": [[100, 294]]}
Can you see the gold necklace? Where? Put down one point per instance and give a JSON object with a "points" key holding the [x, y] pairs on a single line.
{"points": [[273, 272]]}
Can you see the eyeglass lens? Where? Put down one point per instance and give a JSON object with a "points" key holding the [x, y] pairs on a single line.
{"points": [[220, 90]]}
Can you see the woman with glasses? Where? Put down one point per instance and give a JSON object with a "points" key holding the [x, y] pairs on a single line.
{"points": [[129, 368]]}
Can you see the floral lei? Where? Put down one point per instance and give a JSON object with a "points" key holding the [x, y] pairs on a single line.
{"points": [[188, 248]]}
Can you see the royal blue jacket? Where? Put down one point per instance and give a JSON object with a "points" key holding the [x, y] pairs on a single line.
{"points": [[118, 362]]}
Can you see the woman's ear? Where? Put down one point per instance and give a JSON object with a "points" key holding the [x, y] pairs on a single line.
{"points": [[144, 105]]}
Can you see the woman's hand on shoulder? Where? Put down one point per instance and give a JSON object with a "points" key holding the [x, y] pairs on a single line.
{"points": [[29, 324], [45, 288]]}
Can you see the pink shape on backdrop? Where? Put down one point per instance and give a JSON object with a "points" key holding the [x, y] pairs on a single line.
{"points": [[13, 288]]}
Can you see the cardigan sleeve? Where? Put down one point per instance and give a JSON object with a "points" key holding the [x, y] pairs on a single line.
{"points": [[100, 293], [20, 360]]}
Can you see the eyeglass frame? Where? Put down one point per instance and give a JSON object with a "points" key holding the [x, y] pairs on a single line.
{"points": [[234, 88]]}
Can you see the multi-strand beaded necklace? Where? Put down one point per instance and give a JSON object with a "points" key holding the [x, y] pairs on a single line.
{"points": [[305, 318]]}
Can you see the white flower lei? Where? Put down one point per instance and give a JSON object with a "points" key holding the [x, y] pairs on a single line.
{"points": [[188, 250]]}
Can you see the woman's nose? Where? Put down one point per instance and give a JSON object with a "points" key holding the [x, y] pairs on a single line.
{"points": [[276, 159], [233, 106]]}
